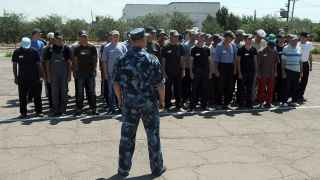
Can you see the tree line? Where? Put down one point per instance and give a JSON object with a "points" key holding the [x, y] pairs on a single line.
{"points": [[13, 26]]}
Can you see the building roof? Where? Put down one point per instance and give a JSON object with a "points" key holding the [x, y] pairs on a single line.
{"points": [[137, 4]]}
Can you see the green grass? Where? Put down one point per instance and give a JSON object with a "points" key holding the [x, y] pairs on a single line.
{"points": [[316, 51], [8, 54]]}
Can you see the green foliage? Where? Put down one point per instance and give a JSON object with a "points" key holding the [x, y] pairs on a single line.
{"points": [[150, 20], [315, 51], [14, 26], [269, 23], [180, 22], [8, 54], [11, 27], [222, 17], [228, 21], [50, 23], [72, 27], [210, 25]]}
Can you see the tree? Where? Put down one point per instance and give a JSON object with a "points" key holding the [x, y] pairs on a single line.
{"points": [[228, 21], [222, 17], [180, 22], [210, 25], [150, 20], [72, 27], [11, 27], [50, 23], [233, 22]]}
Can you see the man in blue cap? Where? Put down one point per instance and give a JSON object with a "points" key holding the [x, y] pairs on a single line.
{"points": [[138, 82], [27, 72]]}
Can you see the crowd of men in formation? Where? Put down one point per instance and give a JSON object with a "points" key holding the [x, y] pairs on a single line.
{"points": [[200, 70]]}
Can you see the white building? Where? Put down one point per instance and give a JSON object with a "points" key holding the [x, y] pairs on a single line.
{"points": [[198, 11]]}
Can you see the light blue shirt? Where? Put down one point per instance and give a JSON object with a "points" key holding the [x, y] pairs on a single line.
{"points": [[292, 57], [111, 53], [38, 45], [225, 55]]}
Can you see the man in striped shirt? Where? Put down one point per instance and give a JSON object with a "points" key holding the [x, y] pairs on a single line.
{"points": [[292, 70]]}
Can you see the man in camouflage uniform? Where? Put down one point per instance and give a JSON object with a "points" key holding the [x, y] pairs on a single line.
{"points": [[138, 83]]}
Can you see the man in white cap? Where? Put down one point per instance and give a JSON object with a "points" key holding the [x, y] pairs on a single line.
{"points": [[27, 71], [259, 43]]}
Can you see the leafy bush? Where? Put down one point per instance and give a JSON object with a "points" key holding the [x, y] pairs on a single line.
{"points": [[316, 51]]}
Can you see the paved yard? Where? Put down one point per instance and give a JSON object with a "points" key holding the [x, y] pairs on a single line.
{"points": [[280, 144]]}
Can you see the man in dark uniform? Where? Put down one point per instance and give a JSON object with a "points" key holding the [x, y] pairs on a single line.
{"points": [[199, 72], [138, 83], [58, 63], [172, 59], [27, 70], [50, 37], [187, 81], [246, 68], [152, 46], [85, 65], [280, 83]]}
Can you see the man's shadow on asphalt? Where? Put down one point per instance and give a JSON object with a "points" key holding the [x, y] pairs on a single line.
{"points": [[116, 177]]}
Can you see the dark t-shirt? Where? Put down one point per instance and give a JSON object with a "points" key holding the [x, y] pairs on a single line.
{"points": [[28, 64], [49, 50], [200, 59], [87, 58], [247, 64], [172, 54], [153, 48]]}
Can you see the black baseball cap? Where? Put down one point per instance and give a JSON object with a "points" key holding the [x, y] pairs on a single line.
{"points": [[35, 31], [305, 34], [83, 33], [58, 35], [228, 34]]}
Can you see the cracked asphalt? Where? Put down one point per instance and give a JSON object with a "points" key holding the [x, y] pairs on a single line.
{"points": [[282, 144]]}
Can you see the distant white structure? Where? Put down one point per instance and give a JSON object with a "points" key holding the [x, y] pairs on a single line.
{"points": [[198, 11]]}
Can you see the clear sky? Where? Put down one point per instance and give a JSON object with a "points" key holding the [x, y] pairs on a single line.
{"points": [[82, 8]]}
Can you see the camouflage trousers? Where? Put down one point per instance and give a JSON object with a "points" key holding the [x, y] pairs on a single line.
{"points": [[151, 121]]}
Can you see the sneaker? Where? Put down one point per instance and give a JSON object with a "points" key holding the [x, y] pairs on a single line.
{"points": [[93, 112], [160, 173], [23, 116], [268, 105], [39, 115], [294, 104], [190, 109], [112, 112], [78, 112], [123, 174], [284, 104]]}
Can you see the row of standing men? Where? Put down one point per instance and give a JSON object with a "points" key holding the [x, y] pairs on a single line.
{"points": [[216, 70]]}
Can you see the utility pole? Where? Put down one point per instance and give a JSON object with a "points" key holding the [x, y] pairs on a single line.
{"points": [[289, 3], [293, 7]]}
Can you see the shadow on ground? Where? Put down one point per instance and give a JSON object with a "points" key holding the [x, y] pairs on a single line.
{"points": [[116, 177]]}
